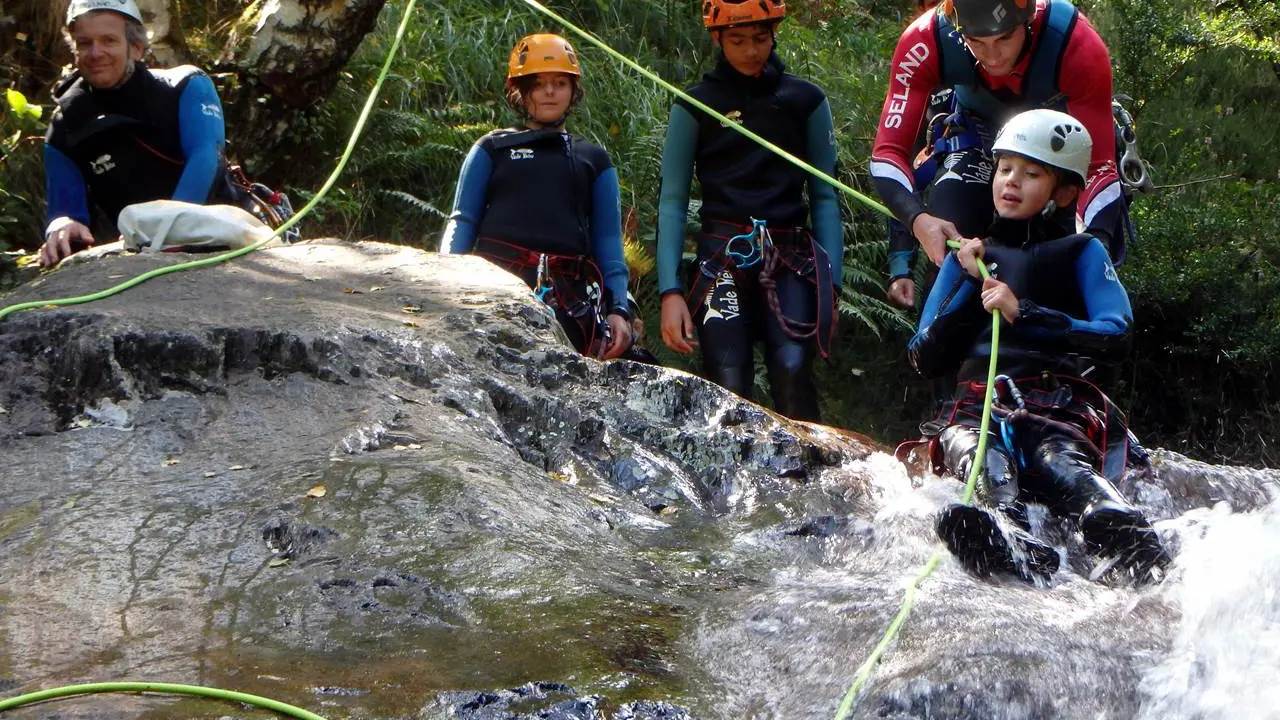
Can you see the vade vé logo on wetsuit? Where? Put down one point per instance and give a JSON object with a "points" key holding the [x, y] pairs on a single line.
{"points": [[102, 165]]}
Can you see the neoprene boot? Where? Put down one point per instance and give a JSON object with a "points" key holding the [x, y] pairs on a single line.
{"points": [[1120, 536], [976, 539]]}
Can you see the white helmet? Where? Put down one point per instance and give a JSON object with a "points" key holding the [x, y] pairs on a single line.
{"points": [[128, 8], [1050, 137]]}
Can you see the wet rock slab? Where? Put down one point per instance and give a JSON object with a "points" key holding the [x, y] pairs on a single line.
{"points": [[369, 468]]}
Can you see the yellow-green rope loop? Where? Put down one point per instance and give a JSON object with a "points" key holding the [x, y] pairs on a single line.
{"points": [[864, 671], [154, 687], [231, 255], [737, 127]]}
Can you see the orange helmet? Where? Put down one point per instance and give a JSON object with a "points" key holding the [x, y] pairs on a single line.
{"points": [[542, 52], [720, 14]]}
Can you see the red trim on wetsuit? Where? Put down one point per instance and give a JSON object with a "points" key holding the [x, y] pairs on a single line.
{"points": [[916, 72]]}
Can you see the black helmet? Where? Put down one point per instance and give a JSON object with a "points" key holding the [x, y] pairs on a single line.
{"points": [[978, 18]]}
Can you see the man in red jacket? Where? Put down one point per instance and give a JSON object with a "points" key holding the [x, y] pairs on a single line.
{"points": [[1000, 57]]}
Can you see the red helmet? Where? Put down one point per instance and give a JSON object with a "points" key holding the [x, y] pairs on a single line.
{"points": [[720, 14]]}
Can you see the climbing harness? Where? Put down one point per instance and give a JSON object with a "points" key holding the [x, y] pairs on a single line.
{"points": [[571, 284], [752, 254], [272, 207]]}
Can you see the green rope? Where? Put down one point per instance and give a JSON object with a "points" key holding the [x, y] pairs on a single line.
{"points": [[710, 111], [908, 599], [165, 688], [223, 257]]}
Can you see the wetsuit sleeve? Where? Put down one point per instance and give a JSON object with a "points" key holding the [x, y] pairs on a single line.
{"points": [[1105, 332], [678, 154], [824, 207], [64, 187], [203, 136], [1085, 79], [606, 237], [903, 249], [914, 73], [951, 319], [468, 202]]}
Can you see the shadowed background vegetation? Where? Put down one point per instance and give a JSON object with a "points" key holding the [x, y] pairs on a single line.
{"points": [[1204, 78]]}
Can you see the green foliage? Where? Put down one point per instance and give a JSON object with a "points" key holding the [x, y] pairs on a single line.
{"points": [[21, 130], [1203, 277]]}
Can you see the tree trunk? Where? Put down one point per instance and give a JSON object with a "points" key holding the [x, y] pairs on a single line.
{"points": [[164, 23], [32, 44], [287, 56]]}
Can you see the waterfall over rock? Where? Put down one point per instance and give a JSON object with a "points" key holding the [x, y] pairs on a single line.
{"points": [[376, 482]]}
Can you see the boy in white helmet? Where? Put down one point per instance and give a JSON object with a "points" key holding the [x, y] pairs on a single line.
{"points": [[1056, 438], [122, 133]]}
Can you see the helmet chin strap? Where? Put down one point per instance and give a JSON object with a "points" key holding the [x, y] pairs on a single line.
{"points": [[529, 120]]}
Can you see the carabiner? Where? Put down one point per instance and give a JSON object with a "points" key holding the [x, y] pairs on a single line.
{"points": [[753, 241], [1014, 392], [543, 285], [1132, 168]]}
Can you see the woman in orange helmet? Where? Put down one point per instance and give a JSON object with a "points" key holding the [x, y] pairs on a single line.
{"points": [[784, 295], [545, 204]]}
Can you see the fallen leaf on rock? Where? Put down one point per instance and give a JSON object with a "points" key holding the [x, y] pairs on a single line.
{"points": [[82, 423], [317, 491], [171, 461], [410, 323], [277, 561], [376, 288], [3, 411], [412, 308], [211, 474], [69, 504], [603, 500], [669, 510], [352, 291], [233, 468]]}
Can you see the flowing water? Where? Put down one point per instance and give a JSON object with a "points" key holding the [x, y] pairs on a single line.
{"points": [[454, 517]]}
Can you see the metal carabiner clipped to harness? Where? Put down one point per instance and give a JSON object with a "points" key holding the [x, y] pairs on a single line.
{"points": [[755, 240], [1132, 168], [543, 286]]}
